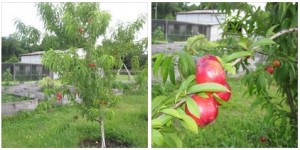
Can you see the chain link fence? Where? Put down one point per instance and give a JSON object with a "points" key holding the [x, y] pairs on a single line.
{"points": [[180, 31], [26, 71]]}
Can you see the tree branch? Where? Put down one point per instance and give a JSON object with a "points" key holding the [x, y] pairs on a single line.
{"points": [[273, 37], [283, 32], [178, 104]]}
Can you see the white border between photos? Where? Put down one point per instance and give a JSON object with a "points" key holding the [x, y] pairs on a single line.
{"points": [[149, 2]]}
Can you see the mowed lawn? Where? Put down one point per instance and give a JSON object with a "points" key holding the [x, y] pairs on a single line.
{"points": [[57, 128], [237, 125]]}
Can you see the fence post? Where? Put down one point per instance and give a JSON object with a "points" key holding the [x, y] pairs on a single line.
{"points": [[14, 71], [167, 28]]}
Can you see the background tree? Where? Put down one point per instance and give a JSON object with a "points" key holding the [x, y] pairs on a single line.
{"points": [[11, 48], [167, 10]]}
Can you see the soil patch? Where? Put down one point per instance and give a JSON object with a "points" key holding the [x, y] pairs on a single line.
{"points": [[110, 143]]}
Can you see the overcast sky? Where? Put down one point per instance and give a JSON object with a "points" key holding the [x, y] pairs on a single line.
{"points": [[27, 13]]}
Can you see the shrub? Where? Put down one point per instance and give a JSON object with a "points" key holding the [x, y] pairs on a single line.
{"points": [[46, 82]]}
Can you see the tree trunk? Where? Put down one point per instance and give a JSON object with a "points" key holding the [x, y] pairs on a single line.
{"points": [[293, 115], [102, 133]]}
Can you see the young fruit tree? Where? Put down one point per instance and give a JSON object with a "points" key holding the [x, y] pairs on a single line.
{"points": [[203, 67], [71, 26]]}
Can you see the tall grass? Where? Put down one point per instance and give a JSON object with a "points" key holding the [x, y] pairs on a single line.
{"points": [[57, 128], [237, 125]]}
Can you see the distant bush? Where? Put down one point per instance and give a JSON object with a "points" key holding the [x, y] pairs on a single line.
{"points": [[157, 35], [46, 82]]}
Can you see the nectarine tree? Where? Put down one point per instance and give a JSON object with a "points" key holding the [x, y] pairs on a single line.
{"points": [[271, 32], [79, 25]]}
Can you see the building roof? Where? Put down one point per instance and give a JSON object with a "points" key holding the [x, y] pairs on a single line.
{"points": [[34, 53], [210, 11], [184, 22], [79, 51]]}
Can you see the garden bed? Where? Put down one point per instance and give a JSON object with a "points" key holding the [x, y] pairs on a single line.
{"points": [[7, 97], [10, 108]]}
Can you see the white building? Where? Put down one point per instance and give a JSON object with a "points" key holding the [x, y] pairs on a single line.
{"points": [[36, 58], [206, 17]]}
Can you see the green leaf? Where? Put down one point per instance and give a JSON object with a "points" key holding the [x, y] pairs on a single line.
{"points": [[203, 94], [182, 65], [262, 42], [156, 103], [172, 72], [165, 68], [158, 61], [218, 99], [262, 81], [157, 138], [236, 55], [156, 123], [163, 119], [270, 31], [187, 64], [207, 87], [172, 139], [230, 68], [192, 107], [184, 85], [171, 111], [255, 103], [188, 122], [243, 45]]}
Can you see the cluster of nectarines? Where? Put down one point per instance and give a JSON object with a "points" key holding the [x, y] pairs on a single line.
{"points": [[209, 69]]}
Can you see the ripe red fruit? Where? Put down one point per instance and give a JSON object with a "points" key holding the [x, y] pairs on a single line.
{"points": [[92, 65], [208, 110], [276, 63], [209, 69], [80, 30], [270, 69], [263, 139], [58, 96], [225, 96]]}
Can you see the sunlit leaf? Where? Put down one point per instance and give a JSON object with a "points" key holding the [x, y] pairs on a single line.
{"points": [[192, 107], [157, 138], [207, 87], [171, 111]]}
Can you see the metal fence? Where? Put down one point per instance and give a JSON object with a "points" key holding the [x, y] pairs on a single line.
{"points": [[180, 31], [26, 71]]}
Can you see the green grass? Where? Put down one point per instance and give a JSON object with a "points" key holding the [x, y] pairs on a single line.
{"points": [[5, 97], [57, 129], [236, 125], [124, 77]]}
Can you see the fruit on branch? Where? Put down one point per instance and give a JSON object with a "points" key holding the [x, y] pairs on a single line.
{"points": [[208, 110], [269, 69], [263, 139], [276, 63], [92, 65], [58, 96], [209, 69], [225, 96], [80, 30]]}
